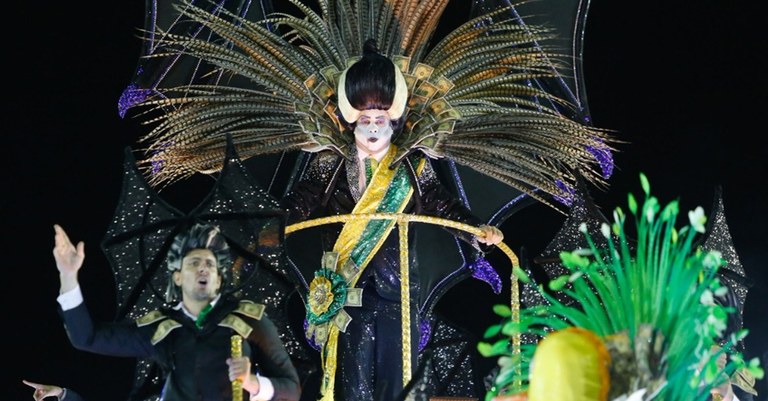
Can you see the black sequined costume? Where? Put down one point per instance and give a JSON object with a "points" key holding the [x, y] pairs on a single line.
{"points": [[369, 350]]}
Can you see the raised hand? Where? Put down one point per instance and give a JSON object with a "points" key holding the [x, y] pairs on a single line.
{"points": [[69, 258]]}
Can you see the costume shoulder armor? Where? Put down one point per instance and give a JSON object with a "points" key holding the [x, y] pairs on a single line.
{"points": [[250, 309], [164, 324], [163, 329], [327, 157], [237, 324], [322, 165], [150, 318]]}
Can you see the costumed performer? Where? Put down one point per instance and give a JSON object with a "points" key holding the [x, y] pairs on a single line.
{"points": [[190, 341]]}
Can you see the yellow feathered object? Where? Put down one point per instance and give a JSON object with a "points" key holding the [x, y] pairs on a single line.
{"points": [[570, 365]]}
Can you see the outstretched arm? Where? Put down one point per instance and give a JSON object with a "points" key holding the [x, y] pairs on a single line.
{"points": [[43, 391], [438, 201], [116, 339]]}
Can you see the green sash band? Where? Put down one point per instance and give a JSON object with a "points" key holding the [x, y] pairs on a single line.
{"points": [[389, 192]]}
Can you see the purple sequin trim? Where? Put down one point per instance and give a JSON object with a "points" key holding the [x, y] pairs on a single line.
{"points": [[426, 334], [568, 198], [311, 341], [158, 164], [131, 96], [605, 158], [483, 270]]}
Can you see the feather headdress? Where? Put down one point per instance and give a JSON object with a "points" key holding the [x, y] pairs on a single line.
{"points": [[467, 94]]}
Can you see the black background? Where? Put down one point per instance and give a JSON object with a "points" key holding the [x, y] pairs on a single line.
{"points": [[683, 84]]}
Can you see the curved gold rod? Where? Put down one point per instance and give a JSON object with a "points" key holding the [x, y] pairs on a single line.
{"points": [[407, 218]]}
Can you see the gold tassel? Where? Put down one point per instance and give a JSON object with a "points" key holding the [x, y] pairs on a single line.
{"points": [[329, 364]]}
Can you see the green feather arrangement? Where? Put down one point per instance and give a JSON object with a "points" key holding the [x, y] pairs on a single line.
{"points": [[650, 300]]}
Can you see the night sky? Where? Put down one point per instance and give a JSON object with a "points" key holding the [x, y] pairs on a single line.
{"points": [[682, 85]]}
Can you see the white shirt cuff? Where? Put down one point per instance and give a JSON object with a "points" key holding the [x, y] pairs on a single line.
{"points": [[266, 390], [70, 299]]}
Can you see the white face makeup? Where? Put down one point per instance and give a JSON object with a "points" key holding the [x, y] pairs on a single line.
{"points": [[373, 131]]}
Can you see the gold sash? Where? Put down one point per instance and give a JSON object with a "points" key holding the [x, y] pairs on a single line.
{"points": [[389, 192]]}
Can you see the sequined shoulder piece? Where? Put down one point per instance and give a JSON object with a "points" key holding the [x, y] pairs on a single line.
{"points": [[322, 165], [237, 324], [150, 318], [163, 329], [250, 309]]}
